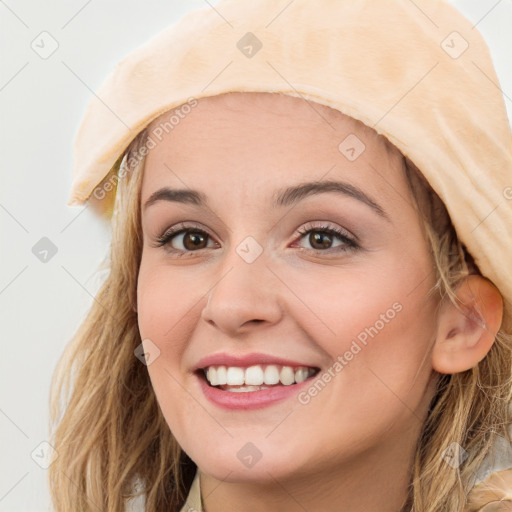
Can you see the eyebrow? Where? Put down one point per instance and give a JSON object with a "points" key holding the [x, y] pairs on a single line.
{"points": [[283, 197]]}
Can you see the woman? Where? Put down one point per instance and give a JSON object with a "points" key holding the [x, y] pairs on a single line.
{"points": [[341, 337]]}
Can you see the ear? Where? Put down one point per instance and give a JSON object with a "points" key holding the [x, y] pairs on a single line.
{"points": [[466, 332]]}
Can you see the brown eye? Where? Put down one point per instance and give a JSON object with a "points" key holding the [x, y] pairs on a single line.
{"points": [[191, 239], [320, 240], [323, 238], [194, 240]]}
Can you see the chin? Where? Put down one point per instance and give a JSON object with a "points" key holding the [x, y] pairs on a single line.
{"points": [[247, 463]]}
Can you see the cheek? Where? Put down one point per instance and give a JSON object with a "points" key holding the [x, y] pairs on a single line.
{"points": [[385, 298], [165, 297], [165, 301], [378, 328]]}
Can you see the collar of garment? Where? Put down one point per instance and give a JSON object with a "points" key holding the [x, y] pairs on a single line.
{"points": [[495, 490], [193, 502]]}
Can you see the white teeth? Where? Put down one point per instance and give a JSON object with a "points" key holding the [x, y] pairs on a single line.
{"points": [[235, 376], [271, 374], [257, 375], [211, 376], [254, 376], [222, 375], [245, 389], [287, 375], [301, 374]]}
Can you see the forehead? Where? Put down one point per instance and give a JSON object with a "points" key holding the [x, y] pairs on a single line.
{"points": [[250, 142], [252, 108]]}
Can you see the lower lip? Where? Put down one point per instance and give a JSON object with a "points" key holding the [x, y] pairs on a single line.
{"points": [[251, 399]]}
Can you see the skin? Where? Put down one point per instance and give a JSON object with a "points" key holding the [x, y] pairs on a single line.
{"points": [[351, 447]]}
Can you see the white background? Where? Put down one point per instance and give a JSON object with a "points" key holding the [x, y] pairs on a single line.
{"points": [[42, 102]]}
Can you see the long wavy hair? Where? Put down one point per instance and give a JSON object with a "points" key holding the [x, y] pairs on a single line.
{"points": [[113, 443]]}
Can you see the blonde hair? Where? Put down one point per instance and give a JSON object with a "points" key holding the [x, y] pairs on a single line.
{"points": [[114, 444], [469, 408]]}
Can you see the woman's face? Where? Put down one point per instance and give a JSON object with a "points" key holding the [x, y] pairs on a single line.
{"points": [[258, 271]]}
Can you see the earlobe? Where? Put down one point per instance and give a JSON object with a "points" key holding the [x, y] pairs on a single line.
{"points": [[466, 332]]}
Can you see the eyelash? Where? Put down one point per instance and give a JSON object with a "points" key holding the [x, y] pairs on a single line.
{"points": [[349, 243]]}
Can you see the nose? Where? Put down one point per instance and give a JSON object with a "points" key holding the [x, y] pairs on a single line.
{"points": [[244, 295]]}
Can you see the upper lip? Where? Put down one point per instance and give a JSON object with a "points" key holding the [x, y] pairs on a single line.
{"points": [[246, 360]]}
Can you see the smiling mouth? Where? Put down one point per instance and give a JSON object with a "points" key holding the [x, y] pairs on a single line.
{"points": [[255, 378]]}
